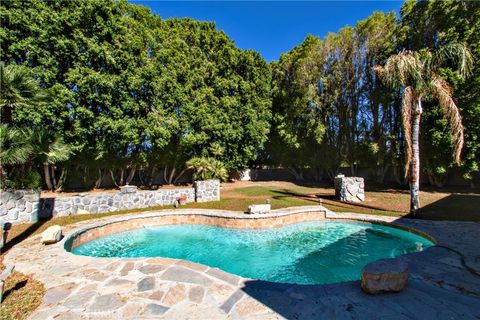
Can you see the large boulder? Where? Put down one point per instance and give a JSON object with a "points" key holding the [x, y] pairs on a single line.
{"points": [[53, 234], [387, 275]]}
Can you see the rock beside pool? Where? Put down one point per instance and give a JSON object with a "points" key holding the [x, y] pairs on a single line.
{"points": [[387, 275], [53, 234], [259, 208]]}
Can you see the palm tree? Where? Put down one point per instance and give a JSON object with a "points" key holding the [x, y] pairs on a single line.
{"points": [[49, 149], [416, 72], [15, 148], [18, 89]]}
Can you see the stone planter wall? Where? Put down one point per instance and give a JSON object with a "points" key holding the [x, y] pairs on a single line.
{"points": [[108, 202], [208, 190], [17, 206], [24, 206], [350, 189]]}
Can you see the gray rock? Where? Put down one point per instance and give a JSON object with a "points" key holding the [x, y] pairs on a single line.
{"points": [[386, 275], [53, 234], [128, 189]]}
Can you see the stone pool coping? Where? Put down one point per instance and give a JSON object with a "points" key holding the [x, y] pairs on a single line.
{"points": [[79, 287], [222, 218]]}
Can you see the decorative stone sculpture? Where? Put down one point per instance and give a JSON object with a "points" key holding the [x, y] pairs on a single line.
{"points": [[53, 234], [349, 188], [387, 275], [259, 208]]}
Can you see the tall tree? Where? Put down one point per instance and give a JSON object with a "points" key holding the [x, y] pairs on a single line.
{"points": [[417, 74], [434, 24]]}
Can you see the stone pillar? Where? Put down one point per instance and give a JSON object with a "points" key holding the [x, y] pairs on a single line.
{"points": [[17, 206], [208, 190], [349, 189]]}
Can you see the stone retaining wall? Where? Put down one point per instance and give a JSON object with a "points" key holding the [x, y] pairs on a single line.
{"points": [[26, 206], [95, 203], [208, 190], [19, 205]]}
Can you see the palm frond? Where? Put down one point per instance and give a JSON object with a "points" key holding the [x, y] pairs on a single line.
{"points": [[17, 87], [443, 92], [456, 53], [407, 102], [401, 69], [15, 148]]}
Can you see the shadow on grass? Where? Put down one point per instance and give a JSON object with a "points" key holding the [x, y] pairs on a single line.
{"points": [[10, 243], [460, 207], [18, 286], [331, 200]]}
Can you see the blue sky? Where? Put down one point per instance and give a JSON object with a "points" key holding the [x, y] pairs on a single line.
{"points": [[272, 27]]}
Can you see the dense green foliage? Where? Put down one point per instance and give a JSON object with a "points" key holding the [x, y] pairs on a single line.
{"points": [[134, 93], [135, 97], [330, 109]]}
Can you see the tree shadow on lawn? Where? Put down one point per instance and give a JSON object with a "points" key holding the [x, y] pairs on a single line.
{"points": [[17, 238], [330, 200], [459, 207]]}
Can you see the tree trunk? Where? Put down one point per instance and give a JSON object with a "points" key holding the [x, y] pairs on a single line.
{"points": [[131, 174], [179, 176], [165, 174], [46, 172], [152, 177], [414, 176], [172, 174], [54, 177], [113, 178], [99, 180], [61, 180], [122, 173]]}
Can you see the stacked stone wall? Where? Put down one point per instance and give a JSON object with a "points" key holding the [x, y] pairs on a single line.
{"points": [[208, 190], [18, 206]]}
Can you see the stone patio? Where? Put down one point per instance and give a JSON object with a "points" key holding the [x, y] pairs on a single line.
{"points": [[444, 281]]}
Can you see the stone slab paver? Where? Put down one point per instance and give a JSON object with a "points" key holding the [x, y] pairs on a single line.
{"points": [[181, 274], [146, 284], [444, 281], [107, 302]]}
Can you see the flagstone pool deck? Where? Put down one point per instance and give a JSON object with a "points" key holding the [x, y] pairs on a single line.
{"points": [[444, 279]]}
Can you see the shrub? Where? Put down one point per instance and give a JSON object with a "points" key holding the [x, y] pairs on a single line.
{"points": [[207, 168]]}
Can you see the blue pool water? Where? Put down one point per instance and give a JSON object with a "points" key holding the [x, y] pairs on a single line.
{"points": [[305, 253]]}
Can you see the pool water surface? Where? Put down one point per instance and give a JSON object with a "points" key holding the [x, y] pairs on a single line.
{"points": [[304, 253]]}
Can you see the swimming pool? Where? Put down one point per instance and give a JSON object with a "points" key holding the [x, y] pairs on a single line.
{"points": [[303, 253]]}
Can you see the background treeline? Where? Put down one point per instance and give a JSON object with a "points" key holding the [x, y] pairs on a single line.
{"points": [[104, 91]]}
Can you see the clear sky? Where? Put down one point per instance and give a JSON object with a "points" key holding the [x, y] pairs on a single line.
{"points": [[272, 27]]}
